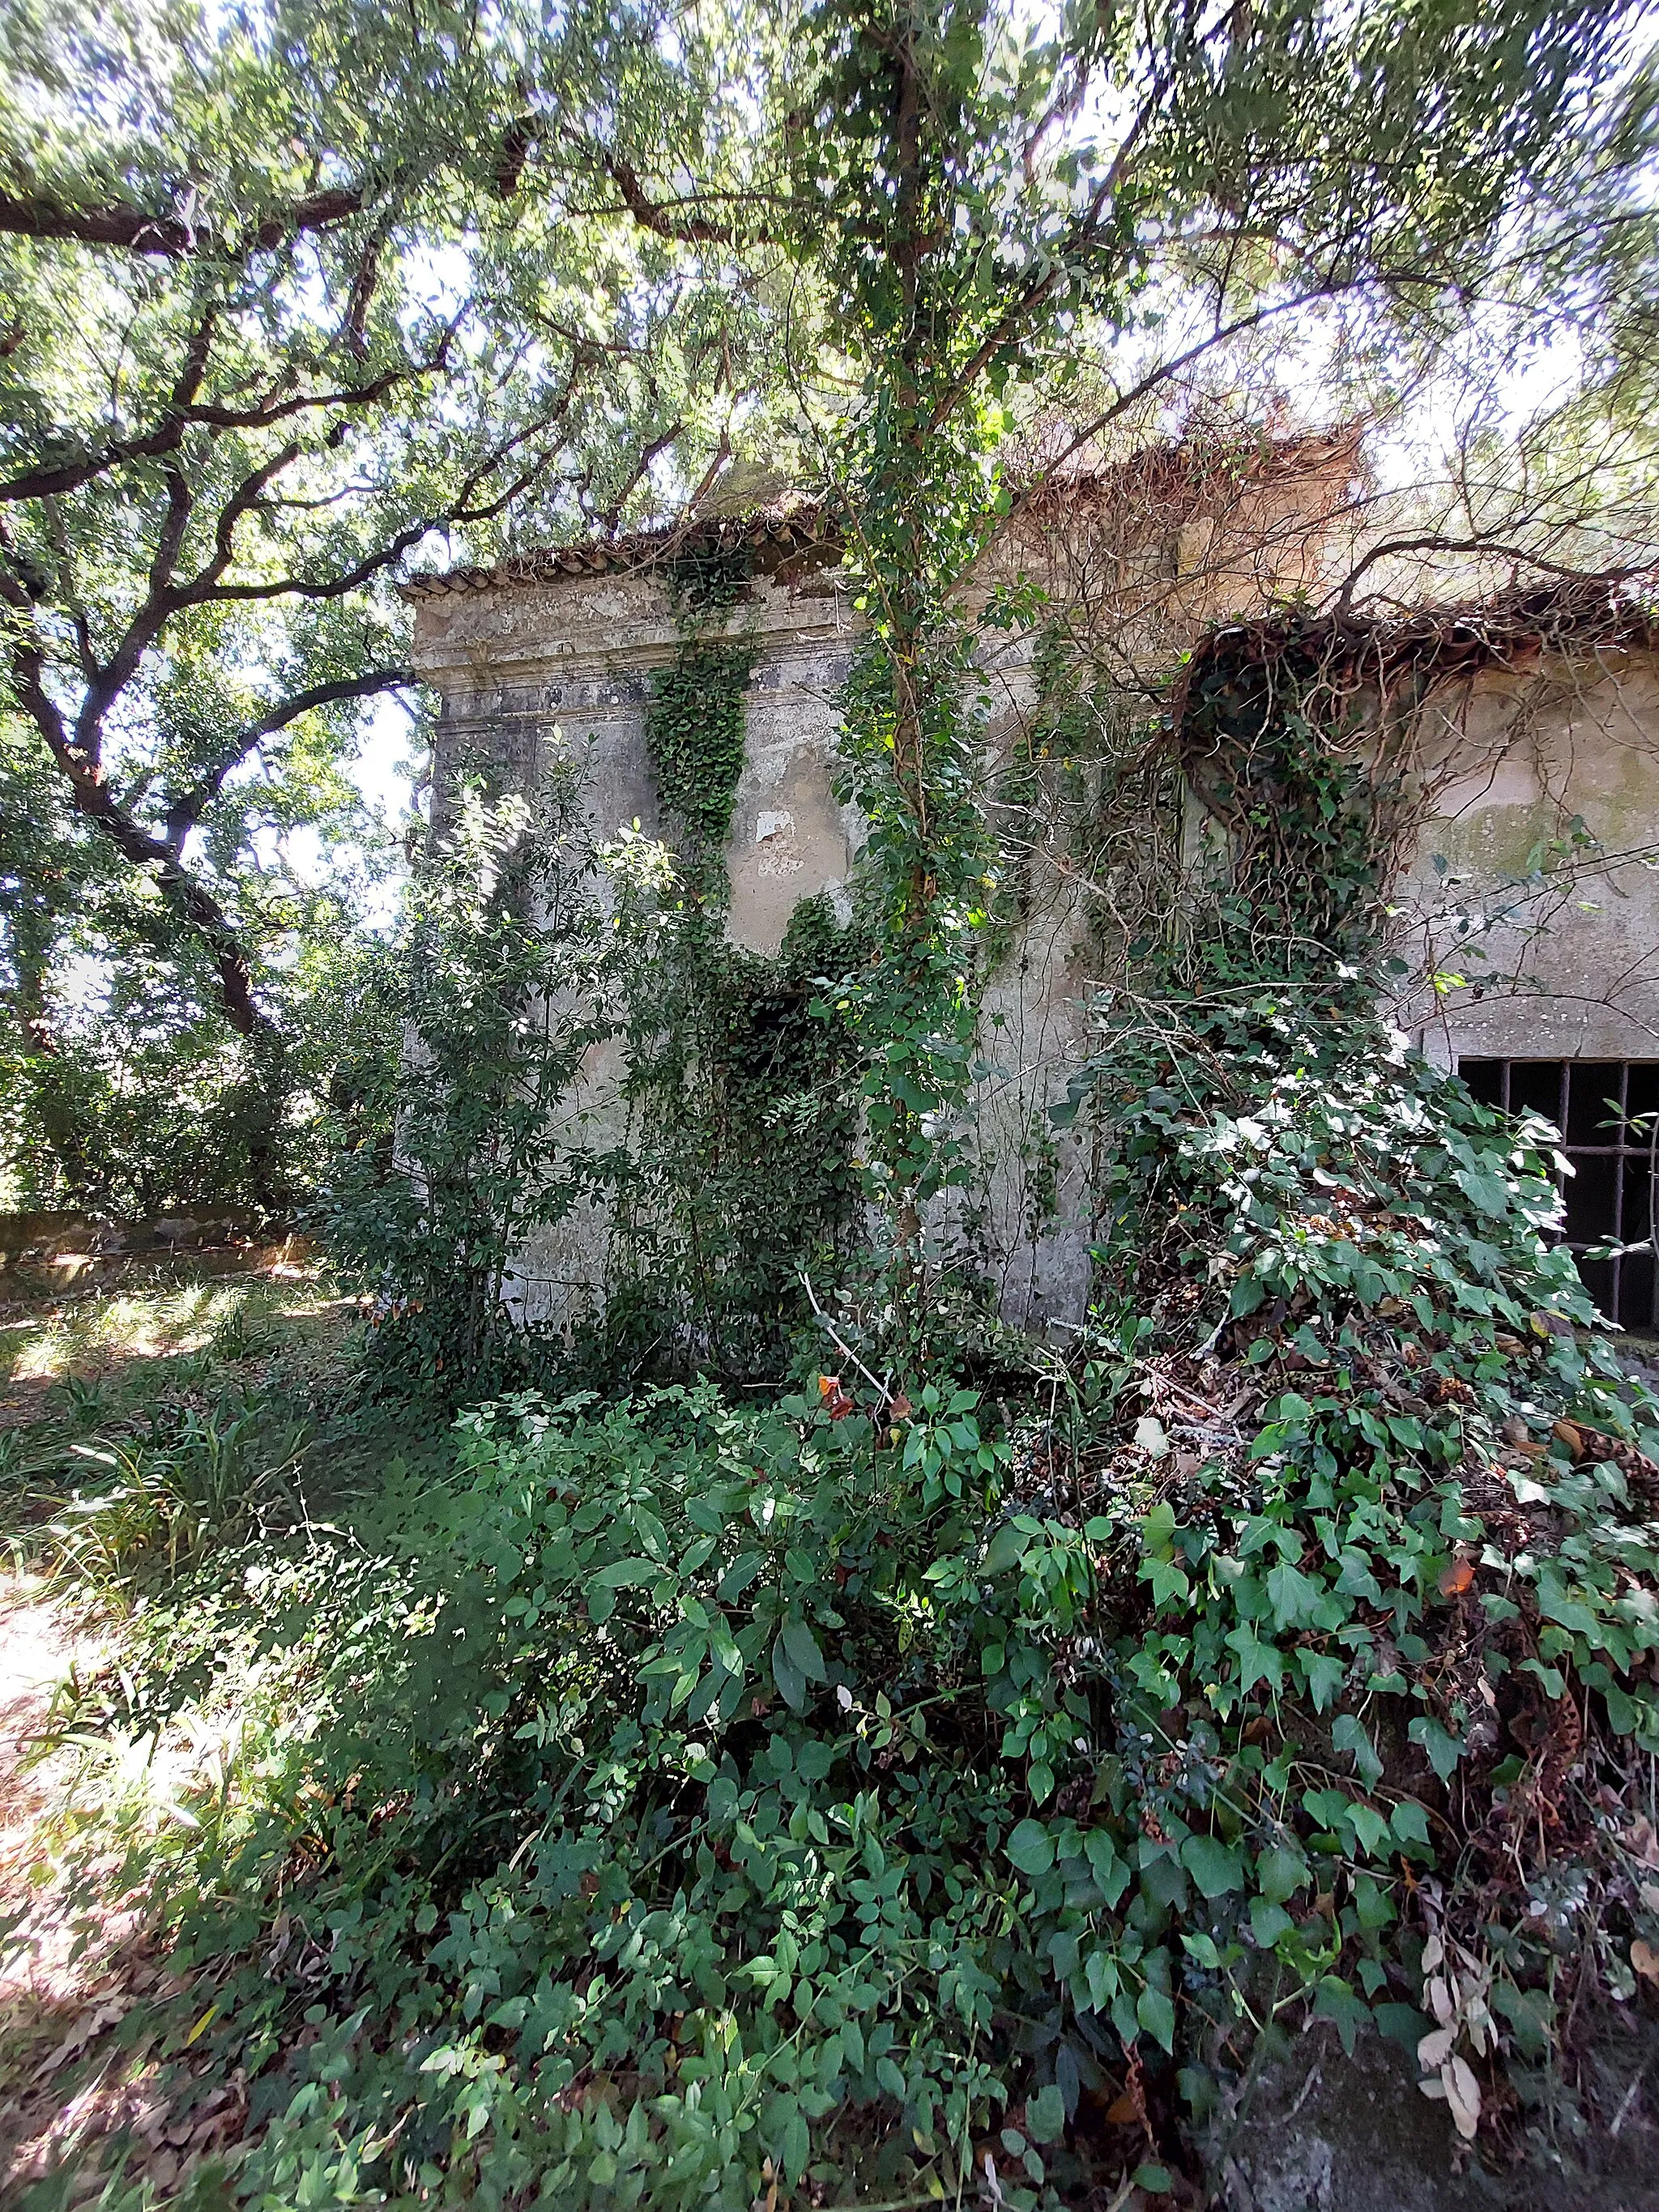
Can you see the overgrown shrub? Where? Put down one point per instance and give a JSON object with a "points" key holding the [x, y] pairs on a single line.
{"points": [[510, 974], [698, 1797]]}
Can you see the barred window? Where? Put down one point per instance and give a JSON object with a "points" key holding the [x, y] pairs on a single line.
{"points": [[1613, 1194]]}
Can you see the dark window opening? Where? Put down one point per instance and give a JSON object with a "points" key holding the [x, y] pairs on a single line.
{"points": [[1613, 1195]]}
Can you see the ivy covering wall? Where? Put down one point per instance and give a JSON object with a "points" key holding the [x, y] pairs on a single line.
{"points": [[743, 1119]]}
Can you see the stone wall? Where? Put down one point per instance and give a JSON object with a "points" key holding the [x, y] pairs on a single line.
{"points": [[529, 663], [1519, 757]]}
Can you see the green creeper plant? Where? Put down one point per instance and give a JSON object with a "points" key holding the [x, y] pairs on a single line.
{"points": [[738, 1172], [959, 246], [511, 970]]}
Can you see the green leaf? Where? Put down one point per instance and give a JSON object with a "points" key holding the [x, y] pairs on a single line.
{"points": [[1279, 1873], [1292, 1595], [1337, 2000], [1110, 1872], [1349, 1734], [1324, 1675], [1216, 1867], [1530, 2012], [796, 2146], [1153, 2179], [1156, 2014], [802, 1646], [1444, 1750], [1268, 1922], [1005, 1550], [1370, 1826], [1410, 1823], [1032, 1848], [738, 1576], [1157, 1530], [628, 1574], [1045, 2114], [792, 1683]]}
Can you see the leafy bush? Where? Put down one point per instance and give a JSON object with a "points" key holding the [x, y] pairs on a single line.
{"points": [[691, 1797], [1402, 1565], [508, 977]]}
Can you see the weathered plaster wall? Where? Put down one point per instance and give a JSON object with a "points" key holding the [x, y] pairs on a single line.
{"points": [[527, 669], [1571, 971]]}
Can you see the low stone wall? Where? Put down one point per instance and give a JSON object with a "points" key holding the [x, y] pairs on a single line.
{"points": [[45, 1240]]}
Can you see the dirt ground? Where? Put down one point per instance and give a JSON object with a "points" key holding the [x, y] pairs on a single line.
{"points": [[89, 2086]]}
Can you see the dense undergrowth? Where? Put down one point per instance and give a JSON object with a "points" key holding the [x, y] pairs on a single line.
{"points": [[687, 1801]]}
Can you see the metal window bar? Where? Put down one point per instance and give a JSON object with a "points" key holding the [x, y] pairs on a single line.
{"points": [[1613, 1195]]}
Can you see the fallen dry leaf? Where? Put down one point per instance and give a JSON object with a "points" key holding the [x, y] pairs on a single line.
{"points": [[1646, 1959], [1464, 2095]]}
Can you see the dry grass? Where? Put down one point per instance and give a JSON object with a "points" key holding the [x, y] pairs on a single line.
{"points": [[99, 1357]]}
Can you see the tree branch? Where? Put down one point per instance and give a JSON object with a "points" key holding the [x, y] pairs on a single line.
{"points": [[170, 237], [49, 478], [1494, 548], [612, 515], [184, 812], [191, 902], [661, 217]]}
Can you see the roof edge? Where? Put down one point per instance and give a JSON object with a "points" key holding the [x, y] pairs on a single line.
{"points": [[787, 530]]}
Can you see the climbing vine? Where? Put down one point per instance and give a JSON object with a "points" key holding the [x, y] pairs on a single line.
{"points": [[693, 715], [743, 1119]]}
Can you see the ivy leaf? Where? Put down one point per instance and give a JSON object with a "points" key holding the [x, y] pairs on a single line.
{"points": [[1032, 1848], [1292, 1595], [1444, 1750], [1216, 1867], [792, 1683], [1168, 1579], [1348, 1734], [1410, 1823], [1259, 1661], [1336, 2001], [1268, 1922], [1489, 1191], [1324, 1678], [1279, 1873], [1370, 1826]]}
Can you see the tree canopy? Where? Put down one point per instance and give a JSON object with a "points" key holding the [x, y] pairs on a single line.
{"points": [[294, 298]]}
